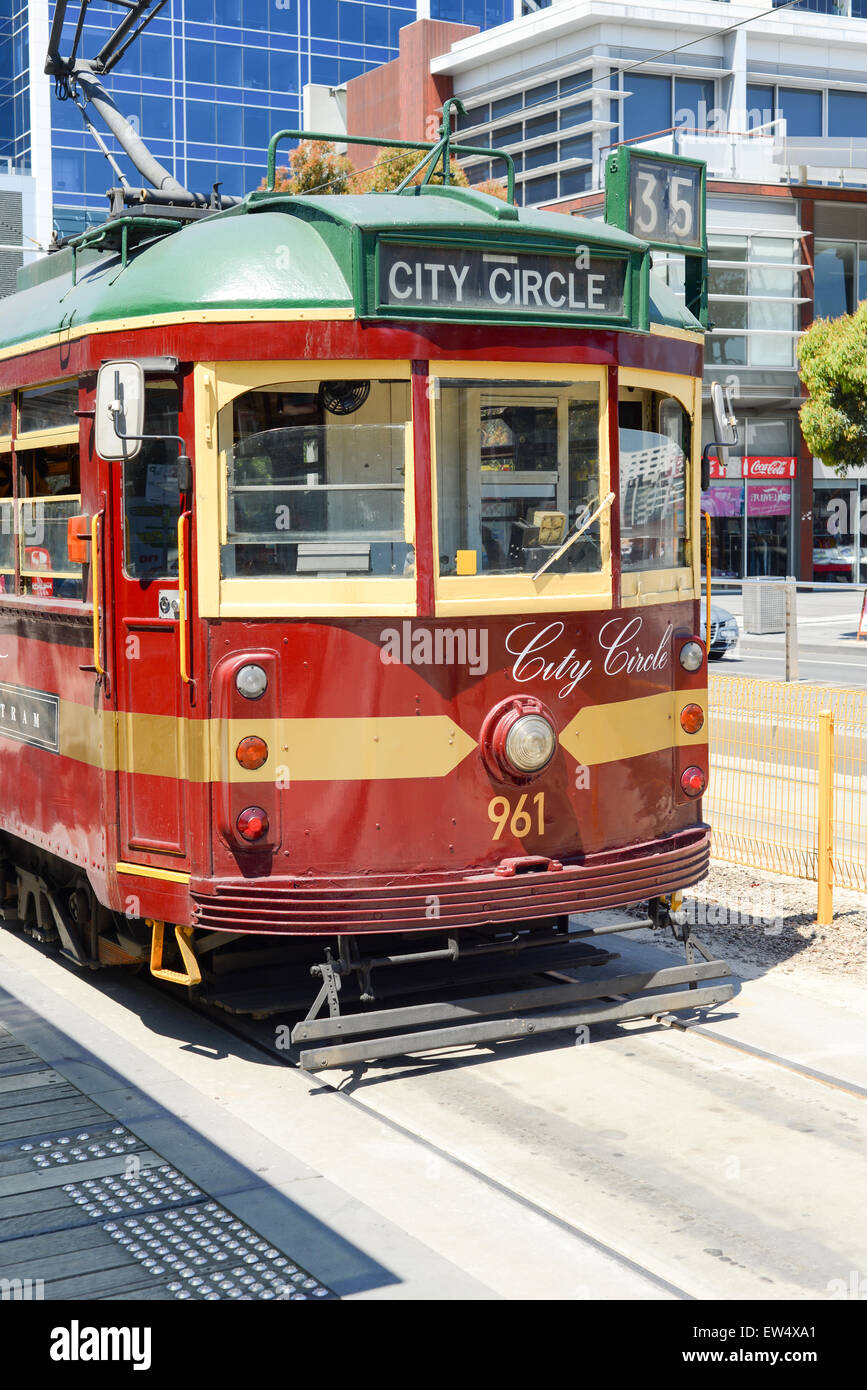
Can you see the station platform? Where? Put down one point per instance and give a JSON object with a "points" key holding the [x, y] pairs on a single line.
{"points": [[121, 1181], [90, 1210]]}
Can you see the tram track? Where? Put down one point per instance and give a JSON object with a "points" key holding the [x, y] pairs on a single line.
{"points": [[335, 1086], [441, 1137], [289, 1058], [747, 1049]]}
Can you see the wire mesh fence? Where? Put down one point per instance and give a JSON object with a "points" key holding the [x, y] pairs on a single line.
{"points": [[763, 798]]}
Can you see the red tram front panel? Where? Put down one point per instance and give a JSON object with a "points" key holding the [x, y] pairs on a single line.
{"points": [[382, 811]]}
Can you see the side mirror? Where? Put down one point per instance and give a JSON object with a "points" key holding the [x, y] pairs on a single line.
{"points": [[120, 403], [725, 430], [725, 425]]}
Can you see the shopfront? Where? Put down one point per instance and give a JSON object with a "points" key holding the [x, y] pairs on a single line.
{"points": [[839, 527], [750, 504]]}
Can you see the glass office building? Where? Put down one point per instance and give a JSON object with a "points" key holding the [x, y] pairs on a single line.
{"points": [[206, 85]]}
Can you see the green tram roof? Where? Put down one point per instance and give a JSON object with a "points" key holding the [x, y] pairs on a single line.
{"points": [[279, 251]]}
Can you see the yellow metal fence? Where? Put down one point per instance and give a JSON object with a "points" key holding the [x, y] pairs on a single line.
{"points": [[772, 793]]}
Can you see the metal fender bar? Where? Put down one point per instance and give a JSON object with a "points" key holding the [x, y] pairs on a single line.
{"points": [[183, 936], [561, 1002]]}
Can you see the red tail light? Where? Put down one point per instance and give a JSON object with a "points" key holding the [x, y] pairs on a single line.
{"points": [[253, 823], [693, 781]]}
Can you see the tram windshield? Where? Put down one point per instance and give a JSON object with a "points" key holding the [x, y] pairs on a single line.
{"points": [[316, 481], [517, 467], [653, 482]]}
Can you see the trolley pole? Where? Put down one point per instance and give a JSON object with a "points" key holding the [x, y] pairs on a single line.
{"points": [[791, 629], [825, 874]]}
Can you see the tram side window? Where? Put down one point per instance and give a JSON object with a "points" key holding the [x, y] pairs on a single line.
{"points": [[655, 442], [49, 491], [517, 472], [316, 481], [7, 506], [48, 408], [151, 492], [49, 494]]}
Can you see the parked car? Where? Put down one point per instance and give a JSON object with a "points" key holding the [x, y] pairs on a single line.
{"points": [[724, 631]]}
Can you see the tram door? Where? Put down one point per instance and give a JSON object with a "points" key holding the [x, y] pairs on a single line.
{"points": [[152, 744]]}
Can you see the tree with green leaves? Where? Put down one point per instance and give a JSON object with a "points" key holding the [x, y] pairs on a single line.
{"points": [[391, 167], [493, 187], [316, 167], [833, 359]]}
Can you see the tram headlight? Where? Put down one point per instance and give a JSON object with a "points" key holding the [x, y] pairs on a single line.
{"points": [[530, 743], [251, 682], [691, 655], [253, 823], [693, 781]]}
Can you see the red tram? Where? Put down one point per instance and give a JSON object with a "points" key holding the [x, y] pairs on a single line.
{"points": [[350, 581]]}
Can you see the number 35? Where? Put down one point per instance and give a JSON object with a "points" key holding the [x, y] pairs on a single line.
{"points": [[519, 820]]}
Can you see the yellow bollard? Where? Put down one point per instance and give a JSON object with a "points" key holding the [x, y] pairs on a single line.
{"points": [[825, 874]]}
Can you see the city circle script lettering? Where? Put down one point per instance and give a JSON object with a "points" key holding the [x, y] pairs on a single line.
{"points": [[539, 652], [470, 280]]}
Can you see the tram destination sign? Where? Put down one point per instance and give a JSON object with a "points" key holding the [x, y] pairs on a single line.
{"points": [[459, 281], [659, 198]]}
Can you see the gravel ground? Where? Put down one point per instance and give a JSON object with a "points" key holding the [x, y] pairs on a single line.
{"points": [[758, 921]]}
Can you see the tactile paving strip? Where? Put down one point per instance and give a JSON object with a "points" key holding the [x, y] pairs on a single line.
{"points": [[91, 1212]]}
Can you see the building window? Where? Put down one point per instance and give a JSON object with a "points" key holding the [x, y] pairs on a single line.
{"points": [[576, 115], [647, 109], [577, 82], [535, 96], [540, 190], [753, 290], [504, 106], [578, 147], [541, 125], [847, 113], [575, 181], [540, 156], [802, 110], [835, 267], [693, 102]]}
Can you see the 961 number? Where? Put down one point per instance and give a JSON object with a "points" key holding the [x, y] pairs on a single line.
{"points": [[520, 819]]}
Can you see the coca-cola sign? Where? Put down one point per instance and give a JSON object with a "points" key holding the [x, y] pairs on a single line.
{"points": [[767, 466]]}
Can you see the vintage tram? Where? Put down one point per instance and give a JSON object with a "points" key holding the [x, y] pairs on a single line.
{"points": [[350, 591]]}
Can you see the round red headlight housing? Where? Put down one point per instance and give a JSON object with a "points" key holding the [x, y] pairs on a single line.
{"points": [[518, 739], [693, 781], [253, 823]]}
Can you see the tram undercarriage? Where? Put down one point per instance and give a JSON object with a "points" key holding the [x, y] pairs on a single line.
{"points": [[386, 996]]}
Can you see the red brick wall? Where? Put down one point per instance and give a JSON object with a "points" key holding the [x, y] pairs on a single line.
{"points": [[397, 99]]}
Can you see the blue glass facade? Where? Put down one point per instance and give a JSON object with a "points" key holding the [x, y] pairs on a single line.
{"points": [[14, 79], [206, 84], [483, 13]]}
